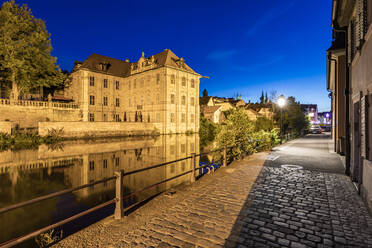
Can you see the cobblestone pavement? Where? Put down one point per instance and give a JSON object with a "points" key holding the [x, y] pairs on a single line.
{"points": [[244, 205]]}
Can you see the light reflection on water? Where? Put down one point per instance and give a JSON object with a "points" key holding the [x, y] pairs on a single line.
{"points": [[27, 174]]}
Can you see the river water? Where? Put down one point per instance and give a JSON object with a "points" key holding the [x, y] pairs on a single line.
{"points": [[27, 174]]}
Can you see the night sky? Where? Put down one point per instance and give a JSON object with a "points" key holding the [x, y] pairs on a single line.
{"points": [[243, 46]]}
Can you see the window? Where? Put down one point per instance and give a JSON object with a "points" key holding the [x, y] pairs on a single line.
{"points": [[157, 117], [117, 161], [172, 168], [157, 78], [117, 118], [134, 83], [157, 98], [148, 100], [91, 117], [142, 84], [172, 149], [192, 83], [192, 119], [91, 81], [192, 101], [183, 117], [129, 85], [135, 101], [172, 99], [105, 83], [91, 100], [183, 166], [192, 147], [105, 101], [142, 100], [172, 117], [129, 103], [117, 84], [105, 163], [91, 165], [173, 79], [183, 148], [117, 102], [183, 100], [183, 81]]}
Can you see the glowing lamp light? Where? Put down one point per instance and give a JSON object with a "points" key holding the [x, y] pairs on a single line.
{"points": [[281, 102], [311, 114], [327, 115]]}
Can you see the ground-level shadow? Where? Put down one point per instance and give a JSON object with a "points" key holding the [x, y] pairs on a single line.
{"points": [[301, 208]]}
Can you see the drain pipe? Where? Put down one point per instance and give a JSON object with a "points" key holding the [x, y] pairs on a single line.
{"points": [[347, 99], [333, 97]]}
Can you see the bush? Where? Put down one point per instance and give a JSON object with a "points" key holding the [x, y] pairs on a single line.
{"points": [[265, 140]]}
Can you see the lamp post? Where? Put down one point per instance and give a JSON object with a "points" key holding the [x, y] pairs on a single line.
{"points": [[281, 103]]}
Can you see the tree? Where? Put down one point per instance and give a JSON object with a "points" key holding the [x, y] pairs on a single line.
{"points": [[262, 98], [236, 131], [25, 47], [294, 119]]}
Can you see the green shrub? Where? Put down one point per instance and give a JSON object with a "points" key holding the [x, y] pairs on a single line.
{"points": [[207, 131]]}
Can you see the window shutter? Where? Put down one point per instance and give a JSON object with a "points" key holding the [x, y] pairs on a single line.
{"points": [[358, 24], [350, 42], [363, 126]]}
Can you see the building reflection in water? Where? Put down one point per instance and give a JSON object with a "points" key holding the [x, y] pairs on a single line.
{"points": [[28, 174]]}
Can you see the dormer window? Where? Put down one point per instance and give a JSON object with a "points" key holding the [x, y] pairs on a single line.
{"points": [[104, 66]]}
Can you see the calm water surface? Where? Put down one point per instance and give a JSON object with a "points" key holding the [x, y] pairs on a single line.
{"points": [[27, 174]]}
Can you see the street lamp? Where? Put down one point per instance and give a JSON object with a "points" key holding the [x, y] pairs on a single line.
{"points": [[281, 103]]}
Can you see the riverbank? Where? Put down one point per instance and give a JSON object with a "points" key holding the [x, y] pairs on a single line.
{"points": [[19, 141]]}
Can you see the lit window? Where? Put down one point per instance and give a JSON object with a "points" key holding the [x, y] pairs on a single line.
{"points": [[183, 100], [183, 81], [172, 116], [91, 81], [105, 83], [172, 99], [117, 84], [105, 163], [157, 117], [105, 101], [91, 100], [91, 117], [157, 78]]}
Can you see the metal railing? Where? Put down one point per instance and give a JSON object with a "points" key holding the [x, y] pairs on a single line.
{"points": [[119, 176]]}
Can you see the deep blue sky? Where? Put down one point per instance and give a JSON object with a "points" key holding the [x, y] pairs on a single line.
{"points": [[243, 46]]}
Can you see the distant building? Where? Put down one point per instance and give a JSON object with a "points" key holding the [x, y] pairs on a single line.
{"points": [[311, 111], [160, 88], [252, 114], [325, 118], [213, 113]]}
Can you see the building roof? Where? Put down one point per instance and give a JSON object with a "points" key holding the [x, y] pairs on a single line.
{"points": [[209, 109], [121, 68], [204, 100]]}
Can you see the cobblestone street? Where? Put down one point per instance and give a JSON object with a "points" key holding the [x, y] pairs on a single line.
{"points": [[251, 203]]}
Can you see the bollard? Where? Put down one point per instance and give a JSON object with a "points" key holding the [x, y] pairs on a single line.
{"points": [[224, 157], [193, 167], [119, 212]]}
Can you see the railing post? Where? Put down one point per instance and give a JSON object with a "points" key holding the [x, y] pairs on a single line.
{"points": [[193, 167], [119, 195], [224, 156]]}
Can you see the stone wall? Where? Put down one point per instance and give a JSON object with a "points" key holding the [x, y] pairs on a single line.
{"points": [[99, 129], [29, 116], [6, 127]]}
